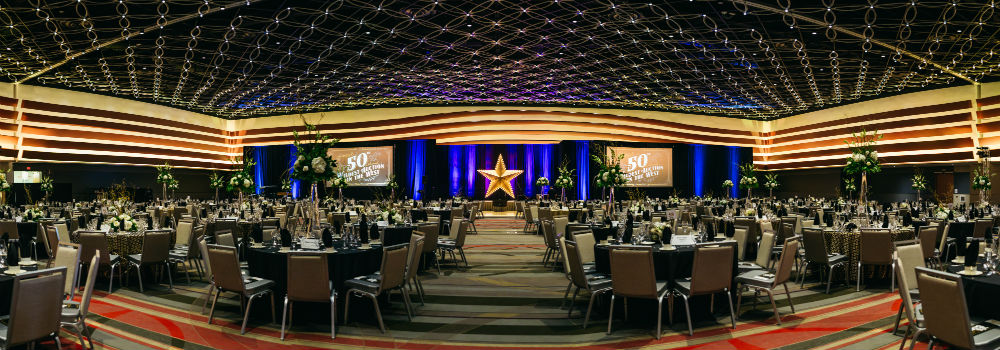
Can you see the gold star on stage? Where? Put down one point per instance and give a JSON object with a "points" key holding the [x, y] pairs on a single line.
{"points": [[500, 178]]}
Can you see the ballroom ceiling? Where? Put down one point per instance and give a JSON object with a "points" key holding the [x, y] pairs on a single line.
{"points": [[761, 59]]}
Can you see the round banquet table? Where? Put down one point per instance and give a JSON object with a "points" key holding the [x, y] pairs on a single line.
{"points": [[849, 243], [124, 243], [980, 293], [272, 263], [668, 265]]}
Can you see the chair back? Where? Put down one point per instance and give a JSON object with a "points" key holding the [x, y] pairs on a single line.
{"points": [[457, 213], [533, 210], [909, 255], [91, 242], [906, 301], [927, 236], [225, 270], [712, 270], [576, 274], [463, 229], [527, 214], [225, 238], [203, 250], [68, 256], [562, 249], [787, 259], [185, 228], [308, 277], [560, 223], [632, 271], [740, 236], [9, 228], [454, 227], [51, 238], [946, 314], [430, 233], [155, 246], [585, 242], [393, 270], [815, 245], [982, 225], [549, 233], [36, 306], [413, 261], [942, 238], [88, 288], [764, 250], [876, 246], [62, 229]]}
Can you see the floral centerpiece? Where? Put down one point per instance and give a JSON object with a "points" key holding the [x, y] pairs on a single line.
{"points": [[4, 187], [863, 159], [942, 212], [748, 178], [919, 183], [564, 180], [173, 186], [542, 181], [771, 182], [241, 181], [726, 186], [392, 216], [32, 214], [164, 175], [286, 185], [339, 182], [216, 182], [609, 175], [47, 186], [392, 185], [849, 186], [981, 182], [314, 164], [123, 223], [656, 231]]}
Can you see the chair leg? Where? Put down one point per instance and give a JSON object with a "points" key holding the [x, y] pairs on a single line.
{"points": [[333, 316], [284, 316], [899, 317], [58, 342], [273, 319], [590, 306], [378, 313], [659, 316], [208, 295], [913, 342], [406, 303], [892, 278], [566, 295], [789, 295], [347, 305], [246, 314], [90, 334], [138, 273], [572, 302], [732, 313], [858, 288], [770, 296], [420, 289], [829, 279], [111, 277], [211, 311], [611, 312], [739, 298], [464, 259], [687, 310], [170, 279]]}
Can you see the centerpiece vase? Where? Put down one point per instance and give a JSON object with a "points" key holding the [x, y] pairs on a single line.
{"points": [[982, 197], [562, 197], [314, 207], [340, 195], [611, 201], [216, 195], [164, 191], [863, 195]]}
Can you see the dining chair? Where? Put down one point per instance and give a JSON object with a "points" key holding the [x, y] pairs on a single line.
{"points": [[927, 235], [74, 314], [817, 253], [449, 246], [981, 227], [227, 277], [413, 264], [876, 249], [946, 313], [63, 231], [93, 241], [586, 241], [594, 284], [453, 226], [761, 280], [551, 245], [189, 254], [740, 236], [206, 261], [763, 260], [711, 273], [155, 251], [634, 275], [391, 277], [912, 308], [430, 231], [51, 238], [534, 219], [474, 215], [560, 223], [908, 255], [309, 281], [35, 308], [184, 232], [945, 244], [68, 255]]}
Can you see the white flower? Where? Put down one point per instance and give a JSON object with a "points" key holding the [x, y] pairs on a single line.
{"points": [[305, 168], [246, 183], [319, 165], [128, 225]]}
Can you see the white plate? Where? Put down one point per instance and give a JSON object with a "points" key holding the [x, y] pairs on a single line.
{"points": [[27, 263], [647, 243], [970, 273]]}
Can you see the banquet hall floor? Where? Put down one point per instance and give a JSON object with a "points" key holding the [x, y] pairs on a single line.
{"points": [[506, 299]]}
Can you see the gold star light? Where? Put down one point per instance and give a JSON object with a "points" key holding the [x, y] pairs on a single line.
{"points": [[500, 178]]}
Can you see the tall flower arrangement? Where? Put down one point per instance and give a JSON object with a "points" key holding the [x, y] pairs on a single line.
{"points": [[748, 178], [47, 186], [850, 187], [726, 186], [392, 185], [919, 184], [339, 183], [164, 176], [173, 186], [4, 187], [216, 182], [771, 182], [314, 164], [609, 174], [542, 181], [981, 182], [864, 160], [241, 181], [565, 179]]}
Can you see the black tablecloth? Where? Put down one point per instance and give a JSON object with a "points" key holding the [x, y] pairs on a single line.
{"points": [[394, 235], [271, 264], [6, 293], [981, 293], [27, 231]]}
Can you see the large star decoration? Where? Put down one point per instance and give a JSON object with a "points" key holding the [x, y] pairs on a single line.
{"points": [[500, 178]]}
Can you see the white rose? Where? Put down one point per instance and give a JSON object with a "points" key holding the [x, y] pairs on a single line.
{"points": [[305, 168], [246, 183], [128, 225]]}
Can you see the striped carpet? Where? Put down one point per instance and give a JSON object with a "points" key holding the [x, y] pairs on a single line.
{"points": [[506, 299]]}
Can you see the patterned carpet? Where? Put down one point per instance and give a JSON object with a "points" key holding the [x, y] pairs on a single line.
{"points": [[506, 299]]}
